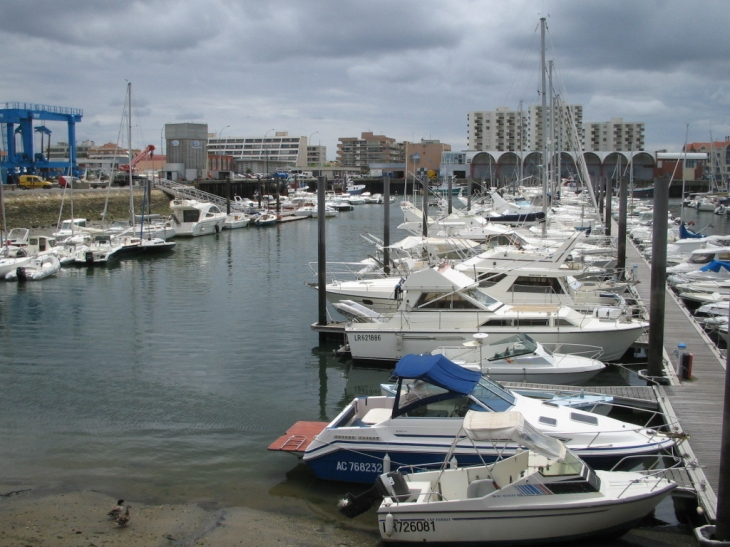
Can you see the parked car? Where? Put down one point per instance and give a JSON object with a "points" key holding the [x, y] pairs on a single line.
{"points": [[65, 180], [33, 181]]}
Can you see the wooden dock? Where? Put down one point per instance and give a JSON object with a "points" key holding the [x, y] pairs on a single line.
{"points": [[694, 405]]}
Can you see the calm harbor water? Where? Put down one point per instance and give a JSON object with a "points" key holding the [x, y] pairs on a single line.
{"points": [[165, 379]]}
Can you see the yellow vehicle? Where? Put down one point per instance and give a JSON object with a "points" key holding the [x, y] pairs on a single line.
{"points": [[33, 181]]}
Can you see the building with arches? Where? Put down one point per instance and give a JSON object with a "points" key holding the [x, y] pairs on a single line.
{"points": [[502, 168]]}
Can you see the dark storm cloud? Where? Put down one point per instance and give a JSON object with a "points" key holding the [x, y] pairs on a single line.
{"points": [[409, 69]]}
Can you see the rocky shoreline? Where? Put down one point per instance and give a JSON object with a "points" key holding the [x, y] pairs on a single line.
{"points": [[41, 209]]}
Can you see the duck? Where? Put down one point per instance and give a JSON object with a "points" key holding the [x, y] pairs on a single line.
{"points": [[122, 520], [117, 509]]}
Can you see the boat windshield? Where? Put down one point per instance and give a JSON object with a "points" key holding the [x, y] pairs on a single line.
{"points": [[513, 346], [423, 399], [478, 294], [492, 396]]}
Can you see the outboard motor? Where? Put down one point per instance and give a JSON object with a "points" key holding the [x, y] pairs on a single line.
{"points": [[388, 484], [21, 273], [89, 256]]}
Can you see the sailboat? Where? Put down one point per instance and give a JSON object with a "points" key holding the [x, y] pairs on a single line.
{"points": [[130, 241]]}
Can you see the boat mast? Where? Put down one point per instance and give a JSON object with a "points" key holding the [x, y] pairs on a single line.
{"points": [[544, 127], [129, 152], [684, 166]]}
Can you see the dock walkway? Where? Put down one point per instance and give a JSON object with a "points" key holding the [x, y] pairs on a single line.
{"points": [[696, 403]]}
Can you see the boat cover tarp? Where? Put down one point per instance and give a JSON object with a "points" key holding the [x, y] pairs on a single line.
{"points": [[438, 370], [686, 233], [715, 266], [511, 426]]}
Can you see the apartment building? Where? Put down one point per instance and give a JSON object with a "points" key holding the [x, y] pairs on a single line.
{"points": [[279, 149], [614, 136], [368, 148], [718, 159], [566, 123], [502, 130]]}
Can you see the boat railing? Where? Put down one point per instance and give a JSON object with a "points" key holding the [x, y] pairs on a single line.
{"points": [[583, 350], [655, 466], [351, 271]]}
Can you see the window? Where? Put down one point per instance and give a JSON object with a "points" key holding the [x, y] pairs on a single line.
{"points": [[584, 418]]}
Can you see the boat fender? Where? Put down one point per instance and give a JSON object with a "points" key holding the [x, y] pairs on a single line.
{"points": [[389, 524], [386, 463], [217, 229]]}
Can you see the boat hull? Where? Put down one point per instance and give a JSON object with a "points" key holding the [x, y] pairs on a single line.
{"points": [[529, 523], [390, 344]]}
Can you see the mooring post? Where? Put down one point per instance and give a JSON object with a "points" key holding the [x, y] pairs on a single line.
{"points": [[386, 224], [658, 277], [321, 257], [449, 190], [424, 184], [609, 195], [622, 202], [722, 529], [468, 195]]}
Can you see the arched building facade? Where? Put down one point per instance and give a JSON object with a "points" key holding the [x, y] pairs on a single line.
{"points": [[502, 168]]}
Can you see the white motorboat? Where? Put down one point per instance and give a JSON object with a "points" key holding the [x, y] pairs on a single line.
{"points": [[265, 219], [416, 427], [519, 358], [700, 258], [236, 220], [196, 218], [71, 226], [444, 307], [100, 252], [36, 269], [145, 245], [541, 493], [12, 258]]}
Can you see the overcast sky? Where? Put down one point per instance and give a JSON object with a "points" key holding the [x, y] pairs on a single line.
{"points": [[409, 69]]}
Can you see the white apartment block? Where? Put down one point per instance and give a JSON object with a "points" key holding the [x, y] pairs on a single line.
{"points": [[278, 149], [566, 121], [615, 135], [503, 130]]}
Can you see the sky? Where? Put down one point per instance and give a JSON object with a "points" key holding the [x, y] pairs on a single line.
{"points": [[325, 69]]}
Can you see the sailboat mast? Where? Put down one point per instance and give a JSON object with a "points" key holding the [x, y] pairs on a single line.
{"points": [[129, 152], [544, 127], [684, 167]]}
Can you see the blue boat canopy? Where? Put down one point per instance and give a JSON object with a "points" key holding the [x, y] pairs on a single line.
{"points": [[686, 233], [438, 370], [715, 266]]}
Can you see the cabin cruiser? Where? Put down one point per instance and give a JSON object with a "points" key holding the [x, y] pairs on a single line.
{"points": [[445, 307], [196, 218], [417, 426]]}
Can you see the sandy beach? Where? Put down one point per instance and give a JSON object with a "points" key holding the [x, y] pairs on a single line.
{"points": [[30, 517]]}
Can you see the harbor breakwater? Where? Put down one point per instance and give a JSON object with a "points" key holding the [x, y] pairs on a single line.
{"points": [[41, 209]]}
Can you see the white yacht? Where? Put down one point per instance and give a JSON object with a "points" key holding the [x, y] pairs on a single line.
{"points": [[196, 218], [444, 307]]}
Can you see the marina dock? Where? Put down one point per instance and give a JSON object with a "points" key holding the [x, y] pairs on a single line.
{"points": [[694, 405]]}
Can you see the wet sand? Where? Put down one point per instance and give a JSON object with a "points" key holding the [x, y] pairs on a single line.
{"points": [[79, 519]]}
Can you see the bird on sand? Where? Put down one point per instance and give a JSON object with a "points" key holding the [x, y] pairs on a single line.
{"points": [[122, 520], [117, 509]]}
